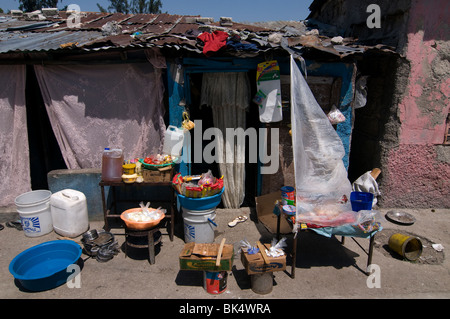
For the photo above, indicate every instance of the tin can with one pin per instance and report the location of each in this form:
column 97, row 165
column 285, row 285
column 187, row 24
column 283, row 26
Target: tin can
column 215, row 282
column 288, row 195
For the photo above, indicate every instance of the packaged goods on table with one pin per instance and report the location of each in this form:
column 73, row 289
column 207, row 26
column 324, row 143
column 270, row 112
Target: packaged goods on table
column 158, row 161
column 197, row 186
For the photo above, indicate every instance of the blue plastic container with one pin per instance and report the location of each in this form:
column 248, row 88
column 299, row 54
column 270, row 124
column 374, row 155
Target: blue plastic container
column 44, row 266
column 202, row 203
column 361, row 201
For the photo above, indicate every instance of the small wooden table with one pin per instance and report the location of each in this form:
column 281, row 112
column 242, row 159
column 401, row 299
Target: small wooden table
column 107, row 210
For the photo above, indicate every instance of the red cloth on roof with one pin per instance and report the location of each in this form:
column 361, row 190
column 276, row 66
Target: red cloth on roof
column 213, row 41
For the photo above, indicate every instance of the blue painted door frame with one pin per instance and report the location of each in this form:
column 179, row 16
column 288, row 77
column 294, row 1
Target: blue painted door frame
column 179, row 94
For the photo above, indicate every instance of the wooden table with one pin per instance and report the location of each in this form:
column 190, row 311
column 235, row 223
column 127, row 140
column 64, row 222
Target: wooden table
column 107, row 210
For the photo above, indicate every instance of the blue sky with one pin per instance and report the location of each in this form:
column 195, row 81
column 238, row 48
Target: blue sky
column 241, row 11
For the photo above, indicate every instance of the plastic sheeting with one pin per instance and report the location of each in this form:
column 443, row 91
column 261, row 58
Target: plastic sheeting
column 322, row 186
column 14, row 148
column 91, row 107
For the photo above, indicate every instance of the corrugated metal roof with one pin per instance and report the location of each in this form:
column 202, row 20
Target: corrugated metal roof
column 44, row 41
column 108, row 30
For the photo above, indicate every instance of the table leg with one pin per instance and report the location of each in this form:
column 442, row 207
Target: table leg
column 151, row 247
column 106, row 226
column 294, row 255
column 278, row 226
column 172, row 215
column 369, row 258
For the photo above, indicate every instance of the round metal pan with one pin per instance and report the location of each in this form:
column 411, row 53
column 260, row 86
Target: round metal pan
column 400, row 217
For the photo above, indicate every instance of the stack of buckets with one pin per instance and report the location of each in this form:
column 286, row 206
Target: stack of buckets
column 199, row 216
column 41, row 212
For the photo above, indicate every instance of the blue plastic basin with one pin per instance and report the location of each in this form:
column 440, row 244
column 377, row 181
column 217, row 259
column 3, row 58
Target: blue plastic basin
column 44, row 266
column 201, row 203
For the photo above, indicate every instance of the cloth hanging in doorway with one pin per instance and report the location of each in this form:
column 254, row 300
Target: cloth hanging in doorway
column 228, row 94
column 14, row 147
column 91, row 107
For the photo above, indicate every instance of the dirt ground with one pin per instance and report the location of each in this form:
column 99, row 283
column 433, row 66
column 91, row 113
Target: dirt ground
column 325, row 268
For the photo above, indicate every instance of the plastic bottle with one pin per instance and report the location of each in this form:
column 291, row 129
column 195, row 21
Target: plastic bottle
column 112, row 161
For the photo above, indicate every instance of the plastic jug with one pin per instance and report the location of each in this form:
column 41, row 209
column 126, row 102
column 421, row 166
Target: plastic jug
column 173, row 141
column 69, row 213
column 112, row 161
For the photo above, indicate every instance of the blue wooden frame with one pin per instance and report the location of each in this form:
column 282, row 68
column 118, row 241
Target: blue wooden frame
column 178, row 93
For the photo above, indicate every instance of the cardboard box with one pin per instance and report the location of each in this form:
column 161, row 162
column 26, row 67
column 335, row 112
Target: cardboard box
column 156, row 176
column 254, row 264
column 265, row 206
column 196, row 256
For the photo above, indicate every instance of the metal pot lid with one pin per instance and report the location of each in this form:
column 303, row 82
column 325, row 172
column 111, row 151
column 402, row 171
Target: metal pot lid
column 103, row 238
column 400, row 217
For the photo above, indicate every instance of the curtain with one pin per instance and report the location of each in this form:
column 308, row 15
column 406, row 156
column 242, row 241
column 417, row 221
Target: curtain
column 96, row 106
column 228, row 94
column 14, row 148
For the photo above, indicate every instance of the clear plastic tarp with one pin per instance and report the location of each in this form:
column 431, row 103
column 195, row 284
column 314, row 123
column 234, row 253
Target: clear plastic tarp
column 322, row 187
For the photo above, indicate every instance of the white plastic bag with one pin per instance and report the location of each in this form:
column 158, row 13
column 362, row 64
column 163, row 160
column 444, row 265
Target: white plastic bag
column 268, row 97
column 366, row 183
column 335, row 116
column 276, row 248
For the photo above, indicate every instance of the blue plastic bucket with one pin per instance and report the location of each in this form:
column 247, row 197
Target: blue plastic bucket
column 45, row 266
column 361, row 201
column 200, row 203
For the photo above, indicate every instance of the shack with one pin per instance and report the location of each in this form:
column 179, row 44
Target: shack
column 71, row 89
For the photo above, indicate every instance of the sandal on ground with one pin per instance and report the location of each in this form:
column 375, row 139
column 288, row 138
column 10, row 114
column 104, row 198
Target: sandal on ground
column 237, row 220
column 1, row 226
column 14, row 224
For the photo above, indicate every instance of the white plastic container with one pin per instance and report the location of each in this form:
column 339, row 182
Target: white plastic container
column 173, row 141
column 34, row 212
column 69, row 213
column 199, row 225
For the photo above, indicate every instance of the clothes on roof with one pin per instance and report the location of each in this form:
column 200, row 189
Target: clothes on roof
column 213, row 41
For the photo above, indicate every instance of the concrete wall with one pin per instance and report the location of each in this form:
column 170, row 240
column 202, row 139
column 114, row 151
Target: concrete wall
column 417, row 171
column 408, row 111
column 83, row 180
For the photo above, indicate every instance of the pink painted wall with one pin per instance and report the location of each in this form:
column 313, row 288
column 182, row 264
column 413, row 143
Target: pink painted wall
column 416, row 175
column 425, row 105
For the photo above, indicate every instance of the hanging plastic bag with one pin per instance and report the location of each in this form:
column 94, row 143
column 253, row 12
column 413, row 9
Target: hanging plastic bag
column 320, row 175
column 335, row 116
column 187, row 123
column 268, row 96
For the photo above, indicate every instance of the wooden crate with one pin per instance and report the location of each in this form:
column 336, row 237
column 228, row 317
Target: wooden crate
column 156, row 176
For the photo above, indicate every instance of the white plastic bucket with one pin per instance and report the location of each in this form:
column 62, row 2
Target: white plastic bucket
column 69, row 213
column 34, row 211
column 199, row 225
